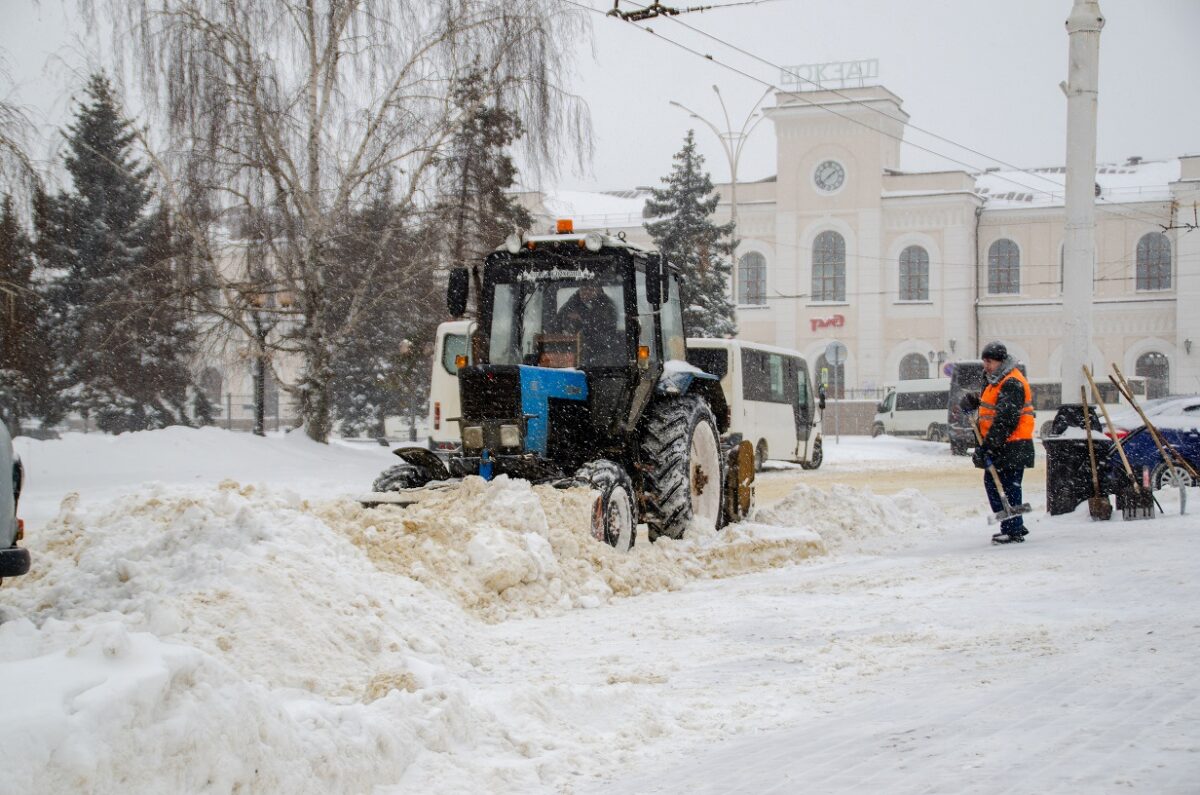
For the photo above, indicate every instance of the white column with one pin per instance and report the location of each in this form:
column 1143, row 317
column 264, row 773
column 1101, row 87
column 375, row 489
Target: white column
column 866, row 291
column 1082, row 86
column 1185, row 366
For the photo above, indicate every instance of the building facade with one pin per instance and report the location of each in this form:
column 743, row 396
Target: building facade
column 913, row 271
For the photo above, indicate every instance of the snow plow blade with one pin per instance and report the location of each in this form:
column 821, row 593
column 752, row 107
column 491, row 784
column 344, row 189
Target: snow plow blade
column 425, row 459
column 404, row 497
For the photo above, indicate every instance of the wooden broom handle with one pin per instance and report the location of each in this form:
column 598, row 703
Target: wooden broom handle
column 1112, row 431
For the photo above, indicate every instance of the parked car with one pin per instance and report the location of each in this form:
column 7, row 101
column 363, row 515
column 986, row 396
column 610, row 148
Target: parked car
column 14, row 561
column 1178, row 422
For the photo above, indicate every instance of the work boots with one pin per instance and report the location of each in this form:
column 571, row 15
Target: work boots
column 1010, row 536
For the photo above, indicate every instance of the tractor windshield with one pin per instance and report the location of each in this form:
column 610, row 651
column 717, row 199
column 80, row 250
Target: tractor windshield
column 562, row 317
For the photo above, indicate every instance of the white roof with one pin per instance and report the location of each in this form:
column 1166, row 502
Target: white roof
column 1003, row 189
column 1044, row 187
column 597, row 210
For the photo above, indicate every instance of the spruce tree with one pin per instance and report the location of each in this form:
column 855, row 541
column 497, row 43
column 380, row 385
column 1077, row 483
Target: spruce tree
column 121, row 326
column 384, row 369
column 26, row 389
column 476, row 175
column 687, row 237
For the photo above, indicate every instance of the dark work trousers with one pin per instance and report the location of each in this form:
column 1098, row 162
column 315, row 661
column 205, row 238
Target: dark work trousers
column 1011, row 480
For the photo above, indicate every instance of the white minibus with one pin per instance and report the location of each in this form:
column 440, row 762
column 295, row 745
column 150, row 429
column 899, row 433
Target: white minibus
column 770, row 395
column 451, row 341
column 915, row 408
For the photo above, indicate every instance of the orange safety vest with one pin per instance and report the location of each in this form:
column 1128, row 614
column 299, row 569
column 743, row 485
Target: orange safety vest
column 987, row 408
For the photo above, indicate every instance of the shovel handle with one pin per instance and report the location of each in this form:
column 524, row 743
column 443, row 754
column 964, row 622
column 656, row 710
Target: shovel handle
column 1087, row 425
column 1112, row 431
column 990, row 468
column 1161, row 443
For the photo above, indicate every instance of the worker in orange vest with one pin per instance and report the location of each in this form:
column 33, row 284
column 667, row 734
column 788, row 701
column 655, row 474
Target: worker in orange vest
column 1006, row 423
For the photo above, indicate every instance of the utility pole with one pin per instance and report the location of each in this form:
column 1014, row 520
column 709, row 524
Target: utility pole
column 1082, row 86
column 1067, row 480
column 732, row 142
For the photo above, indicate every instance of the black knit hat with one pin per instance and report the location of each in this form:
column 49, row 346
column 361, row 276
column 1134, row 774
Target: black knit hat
column 994, row 351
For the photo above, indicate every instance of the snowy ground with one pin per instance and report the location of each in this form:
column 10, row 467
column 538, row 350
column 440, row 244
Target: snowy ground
column 212, row 612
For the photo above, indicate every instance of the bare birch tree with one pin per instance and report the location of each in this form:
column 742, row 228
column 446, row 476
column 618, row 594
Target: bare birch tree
column 286, row 111
column 17, row 173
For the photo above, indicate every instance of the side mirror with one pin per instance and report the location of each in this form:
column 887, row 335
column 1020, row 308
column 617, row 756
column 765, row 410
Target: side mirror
column 457, row 289
column 654, row 284
column 666, row 281
column 821, row 397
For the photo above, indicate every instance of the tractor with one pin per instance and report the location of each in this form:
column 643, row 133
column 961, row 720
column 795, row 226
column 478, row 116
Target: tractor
column 579, row 377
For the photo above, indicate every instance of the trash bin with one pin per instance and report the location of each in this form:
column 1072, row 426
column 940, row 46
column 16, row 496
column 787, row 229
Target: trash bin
column 1068, row 470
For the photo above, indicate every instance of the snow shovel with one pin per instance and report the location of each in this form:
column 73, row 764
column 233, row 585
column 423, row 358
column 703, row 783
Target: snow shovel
column 1164, row 447
column 1181, row 471
column 1099, row 508
column 1007, row 511
column 1133, row 501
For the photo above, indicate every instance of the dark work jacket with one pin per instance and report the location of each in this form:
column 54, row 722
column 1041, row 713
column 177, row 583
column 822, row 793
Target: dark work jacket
column 1008, row 455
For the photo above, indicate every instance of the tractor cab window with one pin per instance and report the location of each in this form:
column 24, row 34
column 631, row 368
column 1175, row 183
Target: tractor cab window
column 672, row 325
column 558, row 322
column 645, row 317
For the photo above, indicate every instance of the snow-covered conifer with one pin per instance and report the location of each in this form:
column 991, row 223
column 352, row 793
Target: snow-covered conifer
column 687, row 237
column 121, row 329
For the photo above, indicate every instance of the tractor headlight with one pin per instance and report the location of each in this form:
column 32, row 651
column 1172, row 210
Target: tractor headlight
column 593, row 242
column 473, row 437
column 510, row 436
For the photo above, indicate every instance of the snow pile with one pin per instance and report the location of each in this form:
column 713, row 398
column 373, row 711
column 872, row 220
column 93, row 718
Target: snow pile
column 253, row 640
column 856, row 520
column 229, row 634
column 87, row 705
column 505, row 549
column 243, row 574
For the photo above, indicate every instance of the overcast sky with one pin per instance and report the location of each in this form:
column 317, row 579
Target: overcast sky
column 982, row 73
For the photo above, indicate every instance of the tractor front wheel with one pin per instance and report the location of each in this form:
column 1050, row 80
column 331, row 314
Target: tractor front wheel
column 613, row 519
column 681, row 460
column 401, row 476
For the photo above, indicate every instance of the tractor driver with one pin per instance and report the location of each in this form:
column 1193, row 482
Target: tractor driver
column 593, row 315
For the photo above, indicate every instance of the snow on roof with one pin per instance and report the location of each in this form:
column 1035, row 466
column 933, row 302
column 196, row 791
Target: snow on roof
column 590, row 210
column 1002, row 188
column 1044, row 187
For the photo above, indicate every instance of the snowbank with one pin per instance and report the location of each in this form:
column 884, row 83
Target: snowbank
column 189, row 636
column 505, row 549
column 856, row 520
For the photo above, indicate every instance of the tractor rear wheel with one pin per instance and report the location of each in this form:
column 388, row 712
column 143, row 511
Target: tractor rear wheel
column 682, row 474
column 613, row 519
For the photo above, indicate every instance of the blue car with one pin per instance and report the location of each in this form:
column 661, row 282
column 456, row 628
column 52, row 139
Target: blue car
column 1178, row 422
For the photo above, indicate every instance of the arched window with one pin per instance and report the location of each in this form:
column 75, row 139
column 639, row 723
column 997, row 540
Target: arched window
column 1154, row 262
column 1004, row 268
column 1156, row 369
column 914, row 274
column 752, row 279
column 914, row 366
column 829, row 267
column 834, row 378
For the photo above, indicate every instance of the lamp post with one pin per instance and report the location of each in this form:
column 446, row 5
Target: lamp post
column 732, row 142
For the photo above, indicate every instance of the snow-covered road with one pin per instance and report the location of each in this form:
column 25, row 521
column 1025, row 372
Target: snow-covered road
column 209, row 612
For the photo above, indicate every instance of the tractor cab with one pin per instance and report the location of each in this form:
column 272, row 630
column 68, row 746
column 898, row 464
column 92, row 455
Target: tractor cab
column 578, row 329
